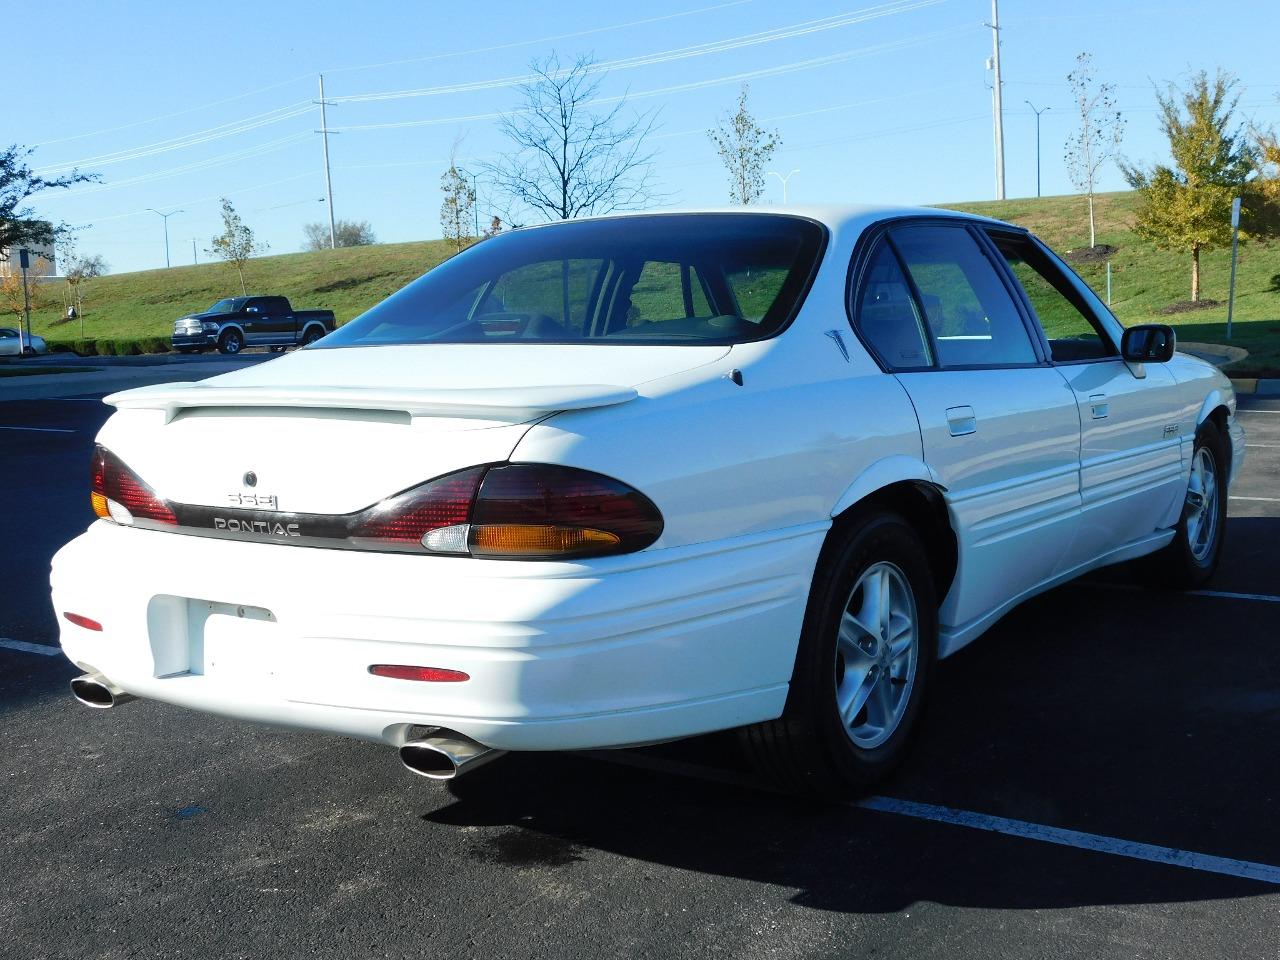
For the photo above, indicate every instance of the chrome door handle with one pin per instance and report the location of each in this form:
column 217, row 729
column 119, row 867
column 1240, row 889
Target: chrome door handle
column 1099, row 406
column 961, row 421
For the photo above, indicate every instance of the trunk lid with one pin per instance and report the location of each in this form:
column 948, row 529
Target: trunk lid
column 336, row 430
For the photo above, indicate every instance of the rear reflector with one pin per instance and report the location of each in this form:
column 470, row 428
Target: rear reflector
column 85, row 622
column 400, row 671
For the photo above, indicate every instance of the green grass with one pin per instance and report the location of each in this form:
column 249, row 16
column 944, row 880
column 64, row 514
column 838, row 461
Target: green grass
column 346, row 281
column 1145, row 279
column 349, row 281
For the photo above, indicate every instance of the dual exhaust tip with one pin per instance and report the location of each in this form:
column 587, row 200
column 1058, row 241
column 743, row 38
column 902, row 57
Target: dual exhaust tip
column 95, row 690
column 443, row 755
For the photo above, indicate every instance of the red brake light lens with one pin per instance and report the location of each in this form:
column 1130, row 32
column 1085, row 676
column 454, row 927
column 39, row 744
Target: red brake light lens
column 409, row 516
column 112, row 482
column 401, row 671
column 81, row 621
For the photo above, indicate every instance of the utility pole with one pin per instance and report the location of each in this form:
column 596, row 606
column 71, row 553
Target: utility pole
column 997, row 104
column 328, row 181
column 783, row 180
column 1037, row 113
column 475, row 204
column 165, row 217
column 195, row 259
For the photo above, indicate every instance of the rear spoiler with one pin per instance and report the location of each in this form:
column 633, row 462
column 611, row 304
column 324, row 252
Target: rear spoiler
column 511, row 404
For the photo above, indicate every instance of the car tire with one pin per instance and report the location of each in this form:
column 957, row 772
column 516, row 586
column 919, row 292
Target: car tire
column 856, row 694
column 231, row 342
column 1191, row 557
column 28, row 351
column 311, row 336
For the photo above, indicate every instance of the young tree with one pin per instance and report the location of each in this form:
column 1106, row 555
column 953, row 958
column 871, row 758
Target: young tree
column 346, row 233
column 1187, row 206
column 494, row 228
column 237, row 243
column 566, row 159
column 1098, row 139
column 79, row 271
column 458, row 207
column 18, row 183
column 744, row 148
column 12, row 298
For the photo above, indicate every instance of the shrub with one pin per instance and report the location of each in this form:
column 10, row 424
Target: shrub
column 106, row 348
column 127, row 347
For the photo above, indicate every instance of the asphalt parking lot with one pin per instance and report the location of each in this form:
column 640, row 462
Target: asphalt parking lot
column 1097, row 778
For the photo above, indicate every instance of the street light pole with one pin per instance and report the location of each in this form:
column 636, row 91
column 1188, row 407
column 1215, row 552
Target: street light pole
column 783, row 180
column 324, row 132
column 165, row 217
column 1037, row 113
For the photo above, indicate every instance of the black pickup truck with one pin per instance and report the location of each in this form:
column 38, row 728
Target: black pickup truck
column 238, row 322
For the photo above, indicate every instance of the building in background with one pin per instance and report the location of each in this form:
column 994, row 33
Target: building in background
column 44, row 263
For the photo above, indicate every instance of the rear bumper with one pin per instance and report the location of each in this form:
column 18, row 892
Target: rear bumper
column 614, row 652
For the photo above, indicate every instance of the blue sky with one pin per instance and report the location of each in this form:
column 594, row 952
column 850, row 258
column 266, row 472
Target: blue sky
column 175, row 104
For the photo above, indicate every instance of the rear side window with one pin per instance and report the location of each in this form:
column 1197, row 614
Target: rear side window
column 886, row 314
column 968, row 309
column 1072, row 332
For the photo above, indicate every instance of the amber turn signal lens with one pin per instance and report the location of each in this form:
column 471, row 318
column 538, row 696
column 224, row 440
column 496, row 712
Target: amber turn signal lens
column 538, row 540
column 99, row 505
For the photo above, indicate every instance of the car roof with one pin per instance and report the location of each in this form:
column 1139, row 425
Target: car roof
column 834, row 216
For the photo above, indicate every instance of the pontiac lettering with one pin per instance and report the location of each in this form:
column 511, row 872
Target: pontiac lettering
column 265, row 528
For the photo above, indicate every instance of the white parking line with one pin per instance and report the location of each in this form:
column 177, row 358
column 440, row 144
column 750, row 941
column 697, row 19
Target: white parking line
column 1260, row 446
column 40, row 429
column 1170, row 856
column 1259, row 499
column 41, row 648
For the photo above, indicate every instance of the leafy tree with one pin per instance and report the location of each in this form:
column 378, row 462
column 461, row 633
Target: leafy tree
column 458, row 207
column 237, row 243
column 1098, row 138
column 566, row 159
column 494, row 228
column 19, row 183
column 12, row 299
column 346, row 233
column 744, row 148
column 1187, row 206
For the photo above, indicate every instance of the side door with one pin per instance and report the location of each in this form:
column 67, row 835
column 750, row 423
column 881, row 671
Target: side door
column 253, row 320
column 999, row 426
column 277, row 323
column 1131, row 477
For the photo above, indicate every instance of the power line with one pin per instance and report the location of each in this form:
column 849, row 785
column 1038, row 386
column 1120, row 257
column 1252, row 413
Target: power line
column 552, row 39
column 802, row 28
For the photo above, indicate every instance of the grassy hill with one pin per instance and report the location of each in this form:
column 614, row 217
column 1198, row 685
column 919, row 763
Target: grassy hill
column 1144, row 280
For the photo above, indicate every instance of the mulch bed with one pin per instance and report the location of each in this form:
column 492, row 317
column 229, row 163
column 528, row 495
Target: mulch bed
column 1099, row 254
column 1187, row 306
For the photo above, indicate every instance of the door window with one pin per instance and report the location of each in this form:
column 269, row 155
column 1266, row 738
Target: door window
column 968, row 308
column 886, row 314
column 1068, row 324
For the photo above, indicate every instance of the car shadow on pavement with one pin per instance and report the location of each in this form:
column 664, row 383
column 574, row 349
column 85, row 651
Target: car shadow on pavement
column 1131, row 714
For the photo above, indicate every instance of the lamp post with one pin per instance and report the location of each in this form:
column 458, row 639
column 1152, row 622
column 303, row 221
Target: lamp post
column 783, row 180
column 1037, row 113
column 165, row 217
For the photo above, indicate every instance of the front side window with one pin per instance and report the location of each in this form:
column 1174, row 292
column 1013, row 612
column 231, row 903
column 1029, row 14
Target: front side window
column 669, row 278
column 1069, row 328
column 969, row 310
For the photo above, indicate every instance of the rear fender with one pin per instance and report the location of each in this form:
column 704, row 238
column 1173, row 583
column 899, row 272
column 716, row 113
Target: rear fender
column 880, row 474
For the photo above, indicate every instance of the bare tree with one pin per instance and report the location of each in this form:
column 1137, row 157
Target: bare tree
column 346, row 233
column 568, row 160
column 237, row 243
column 1101, row 130
column 745, row 148
column 459, row 204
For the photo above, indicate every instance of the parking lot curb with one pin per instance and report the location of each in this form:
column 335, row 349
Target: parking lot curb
column 1263, row 387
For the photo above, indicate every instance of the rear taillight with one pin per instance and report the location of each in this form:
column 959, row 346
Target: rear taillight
column 516, row 511
column 118, row 494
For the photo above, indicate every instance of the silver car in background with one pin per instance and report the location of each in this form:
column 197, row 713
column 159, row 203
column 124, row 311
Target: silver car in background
column 11, row 345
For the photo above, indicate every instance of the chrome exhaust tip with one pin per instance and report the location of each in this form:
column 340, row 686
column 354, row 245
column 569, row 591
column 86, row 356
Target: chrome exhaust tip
column 95, row 690
column 445, row 755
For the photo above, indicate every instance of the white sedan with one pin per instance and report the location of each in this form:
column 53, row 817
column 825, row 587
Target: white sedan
column 15, row 343
column 622, row 480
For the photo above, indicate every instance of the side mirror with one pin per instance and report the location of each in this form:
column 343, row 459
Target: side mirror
column 1148, row 343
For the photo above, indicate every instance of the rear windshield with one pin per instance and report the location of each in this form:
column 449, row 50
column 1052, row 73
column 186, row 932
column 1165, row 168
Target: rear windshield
column 692, row 278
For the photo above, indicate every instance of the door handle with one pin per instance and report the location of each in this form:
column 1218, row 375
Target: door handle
column 961, row 421
column 1099, row 406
